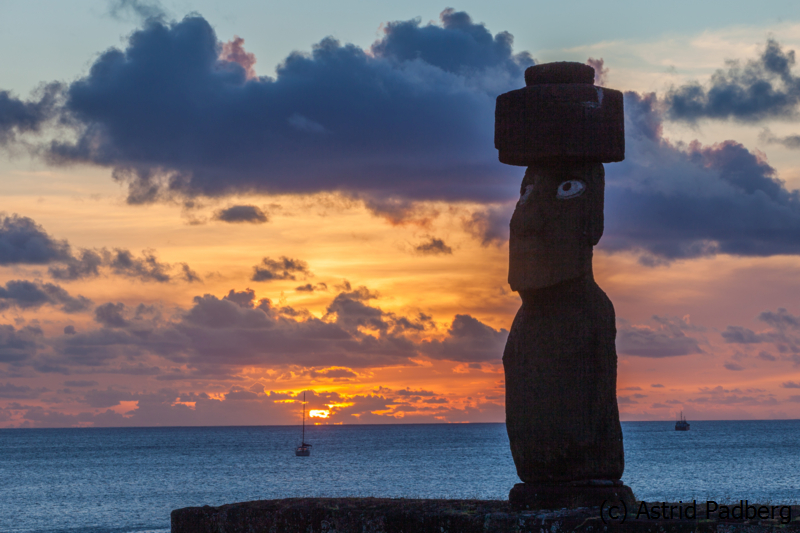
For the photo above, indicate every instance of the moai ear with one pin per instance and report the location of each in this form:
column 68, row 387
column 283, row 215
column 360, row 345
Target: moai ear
column 595, row 218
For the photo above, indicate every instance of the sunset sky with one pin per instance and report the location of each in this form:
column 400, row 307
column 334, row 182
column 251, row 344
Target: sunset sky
column 211, row 207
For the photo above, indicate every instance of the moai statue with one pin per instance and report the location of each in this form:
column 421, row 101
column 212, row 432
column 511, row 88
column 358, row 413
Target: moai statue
column 560, row 359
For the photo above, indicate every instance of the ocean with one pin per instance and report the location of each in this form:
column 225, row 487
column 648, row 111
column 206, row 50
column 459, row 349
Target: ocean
column 127, row 480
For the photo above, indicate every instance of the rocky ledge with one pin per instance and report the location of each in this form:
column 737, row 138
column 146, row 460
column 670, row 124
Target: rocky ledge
column 379, row 515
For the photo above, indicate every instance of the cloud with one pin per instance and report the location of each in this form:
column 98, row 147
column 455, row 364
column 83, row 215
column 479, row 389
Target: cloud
column 148, row 268
column 784, row 333
column 107, row 398
column 215, row 337
column 490, row 224
column 139, row 9
column 248, row 406
column 457, row 45
column 720, row 396
column 233, row 52
column 189, row 275
column 766, row 356
column 790, row 385
column 23, row 241
column 242, row 213
column 758, row 89
column 433, row 246
column 730, row 365
column 600, row 71
column 18, row 116
column 670, row 201
column 17, row 392
column 470, row 340
column 740, row 335
column 85, row 264
column 111, row 315
column 80, row 383
column 18, row 345
column 781, row 319
column 120, row 262
column 308, row 287
column 34, row 294
column 238, row 330
column 409, row 392
column 283, row 268
column 411, row 117
column 664, row 340
column 336, row 374
column 791, row 142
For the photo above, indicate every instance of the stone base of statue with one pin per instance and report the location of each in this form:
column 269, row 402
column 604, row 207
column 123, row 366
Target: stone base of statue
column 590, row 493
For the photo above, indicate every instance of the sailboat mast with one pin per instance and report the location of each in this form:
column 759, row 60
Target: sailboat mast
column 304, row 417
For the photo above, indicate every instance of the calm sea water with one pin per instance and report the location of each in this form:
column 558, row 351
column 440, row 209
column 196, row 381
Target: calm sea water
column 127, row 480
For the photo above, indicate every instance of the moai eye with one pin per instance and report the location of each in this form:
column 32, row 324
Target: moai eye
column 570, row 189
column 525, row 195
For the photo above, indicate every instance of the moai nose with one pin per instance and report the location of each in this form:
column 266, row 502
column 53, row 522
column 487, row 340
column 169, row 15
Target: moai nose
column 559, row 116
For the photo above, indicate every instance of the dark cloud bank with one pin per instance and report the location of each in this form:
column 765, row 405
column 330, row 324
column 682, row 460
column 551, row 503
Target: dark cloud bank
column 217, row 336
column 667, row 338
column 412, row 116
column 283, row 268
column 411, row 119
column 24, row 242
column 242, row 213
column 671, row 201
column 782, row 331
column 761, row 88
column 25, row 294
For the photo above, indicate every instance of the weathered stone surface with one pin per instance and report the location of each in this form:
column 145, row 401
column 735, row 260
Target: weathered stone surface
column 528, row 496
column 374, row 515
column 555, row 120
column 552, row 232
column 559, row 72
column 561, row 371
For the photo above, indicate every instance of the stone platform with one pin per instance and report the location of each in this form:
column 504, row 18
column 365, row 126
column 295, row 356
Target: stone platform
column 378, row 515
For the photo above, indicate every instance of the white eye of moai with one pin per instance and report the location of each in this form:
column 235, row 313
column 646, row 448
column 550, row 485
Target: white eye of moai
column 570, row 189
column 525, row 195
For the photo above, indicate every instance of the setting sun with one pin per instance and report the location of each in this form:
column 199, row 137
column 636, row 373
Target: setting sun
column 319, row 413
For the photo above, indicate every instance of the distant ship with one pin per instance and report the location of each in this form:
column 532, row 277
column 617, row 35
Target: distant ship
column 682, row 424
column 304, row 450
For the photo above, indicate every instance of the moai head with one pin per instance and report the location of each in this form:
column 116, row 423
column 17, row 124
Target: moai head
column 558, row 219
column 562, row 128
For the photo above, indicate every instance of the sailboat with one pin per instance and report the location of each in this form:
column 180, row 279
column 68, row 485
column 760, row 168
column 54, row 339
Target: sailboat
column 304, row 450
column 682, row 424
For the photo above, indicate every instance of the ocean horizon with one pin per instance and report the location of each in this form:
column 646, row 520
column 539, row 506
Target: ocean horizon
column 127, row 480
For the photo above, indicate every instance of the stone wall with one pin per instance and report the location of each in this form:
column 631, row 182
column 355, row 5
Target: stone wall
column 378, row 515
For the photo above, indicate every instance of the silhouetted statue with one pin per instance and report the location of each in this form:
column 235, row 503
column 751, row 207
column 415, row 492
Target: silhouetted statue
column 560, row 359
